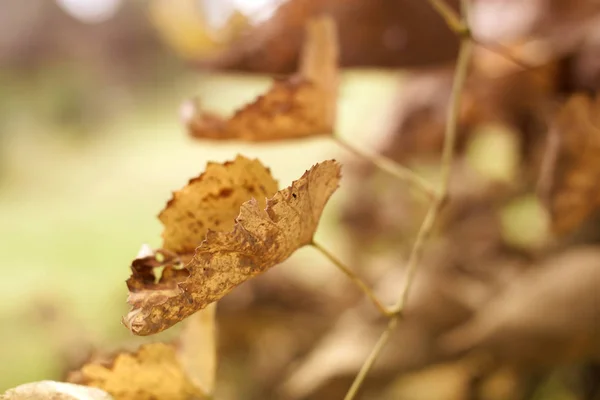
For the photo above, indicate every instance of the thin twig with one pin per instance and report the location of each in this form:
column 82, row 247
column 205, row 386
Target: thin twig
column 415, row 256
column 452, row 19
column 505, row 52
column 460, row 75
column 461, row 29
column 548, row 167
column 366, row 367
column 354, row 278
column 446, row 168
column 385, row 164
column 465, row 10
column 440, row 200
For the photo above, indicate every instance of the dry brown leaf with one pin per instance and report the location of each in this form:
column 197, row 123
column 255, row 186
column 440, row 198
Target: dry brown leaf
column 210, row 201
column 303, row 105
column 575, row 194
column 153, row 372
column 260, row 239
column 373, row 33
column 548, row 315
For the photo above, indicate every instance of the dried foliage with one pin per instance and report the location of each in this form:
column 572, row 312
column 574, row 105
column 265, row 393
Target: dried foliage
column 260, row 239
column 531, row 321
column 153, row 372
column 391, row 35
column 209, row 202
column 302, row 105
column 490, row 264
column 212, row 201
column 499, row 295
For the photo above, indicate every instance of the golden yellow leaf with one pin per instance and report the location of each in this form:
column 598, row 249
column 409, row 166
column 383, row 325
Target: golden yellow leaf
column 260, row 239
column 153, row 372
column 212, row 201
column 575, row 194
column 303, row 105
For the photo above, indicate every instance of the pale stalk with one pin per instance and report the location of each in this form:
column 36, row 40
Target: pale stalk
column 366, row 367
column 440, row 199
column 354, row 278
column 385, row 164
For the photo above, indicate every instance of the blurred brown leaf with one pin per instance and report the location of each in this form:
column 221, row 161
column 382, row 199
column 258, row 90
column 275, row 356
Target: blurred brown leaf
column 303, row 105
column 153, row 372
column 372, row 33
column 574, row 194
column 260, row 239
column 550, row 314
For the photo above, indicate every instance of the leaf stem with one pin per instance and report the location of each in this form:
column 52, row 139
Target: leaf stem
column 439, row 201
column 354, row 278
column 385, row 164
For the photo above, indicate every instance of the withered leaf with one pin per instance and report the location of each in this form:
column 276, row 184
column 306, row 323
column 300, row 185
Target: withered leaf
column 372, row 34
column 153, row 372
column 302, row 105
column 212, row 201
column 260, row 239
column 575, row 193
column 549, row 315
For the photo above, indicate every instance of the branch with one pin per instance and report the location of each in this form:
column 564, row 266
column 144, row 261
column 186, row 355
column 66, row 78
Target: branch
column 440, row 200
column 385, row 164
column 461, row 28
column 452, row 19
column 549, row 160
column 366, row 367
column 460, row 75
column 505, row 52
